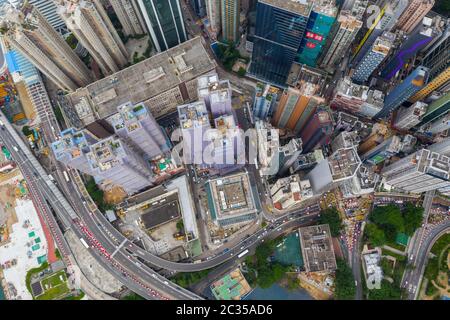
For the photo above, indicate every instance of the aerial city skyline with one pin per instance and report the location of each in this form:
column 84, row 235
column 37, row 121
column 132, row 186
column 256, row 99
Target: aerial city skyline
column 224, row 150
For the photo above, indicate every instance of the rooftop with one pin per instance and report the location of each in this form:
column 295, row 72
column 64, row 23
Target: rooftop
column 317, row 248
column 301, row 7
column 232, row 286
column 343, row 163
column 145, row 79
column 193, row 115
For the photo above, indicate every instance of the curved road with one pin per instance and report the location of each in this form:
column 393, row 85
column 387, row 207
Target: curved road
column 413, row 276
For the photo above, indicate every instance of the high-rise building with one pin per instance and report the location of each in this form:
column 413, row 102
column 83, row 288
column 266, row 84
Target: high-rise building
column 413, row 14
column 194, row 123
column 383, row 151
column 357, row 99
column 288, row 154
column 436, row 59
column 417, row 40
column 230, row 13
column 216, row 94
column 341, row 166
column 319, row 129
column 301, row 98
column 135, row 125
column 280, row 27
column 88, row 21
column 214, row 15
column 385, row 21
column 373, row 57
column 73, row 147
column 165, row 22
column 438, row 125
column 199, row 7
column 341, row 38
column 28, row 32
column 113, row 160
column 162, row 82
column 129, row 16
column 321, row 19
column 411, row 116
column 419, row 172
column 441, row 147
column 48, row 9
column 436, row 109
column 410, row 85
column 265, row 100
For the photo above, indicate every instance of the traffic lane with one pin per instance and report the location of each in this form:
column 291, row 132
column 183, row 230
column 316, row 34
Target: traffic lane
column 225, row 256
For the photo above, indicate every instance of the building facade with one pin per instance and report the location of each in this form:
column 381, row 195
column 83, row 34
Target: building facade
column 413, row 14
column 165, row 22
column 280, row 27
column 90, row 24
column 129, row 16
column 28, row 32
column 403, row 91
column 230, row 13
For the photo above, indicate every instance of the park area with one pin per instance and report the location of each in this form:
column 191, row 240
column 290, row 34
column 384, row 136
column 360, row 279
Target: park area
column 435, row 284
column 54, row 286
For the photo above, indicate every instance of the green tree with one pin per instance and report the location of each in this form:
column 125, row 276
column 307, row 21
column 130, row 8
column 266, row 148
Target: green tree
column 375, row 235
column 26, row 131
column 241, row 72
column 180, row 225
column 387, row 291
column 331, row 217
column 345, row 282
column 413, row 217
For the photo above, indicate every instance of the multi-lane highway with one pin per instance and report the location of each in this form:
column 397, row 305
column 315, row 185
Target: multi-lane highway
column 116, row 253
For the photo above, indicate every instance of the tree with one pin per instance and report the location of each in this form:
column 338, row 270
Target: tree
column 412, row 217
column 387, row 291
column 331, row 217
column 26, row 131
column 241, row 72
column 375, row 235
column 345, row 282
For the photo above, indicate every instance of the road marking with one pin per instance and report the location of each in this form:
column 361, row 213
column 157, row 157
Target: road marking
column 119, row 247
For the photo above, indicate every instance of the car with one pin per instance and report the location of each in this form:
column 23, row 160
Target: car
column 166, row 283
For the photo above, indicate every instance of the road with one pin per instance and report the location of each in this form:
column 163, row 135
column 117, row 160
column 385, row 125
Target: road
column 137, row 277
column 413, row 276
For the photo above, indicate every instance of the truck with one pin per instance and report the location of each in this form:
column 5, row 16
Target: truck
column 51, row 177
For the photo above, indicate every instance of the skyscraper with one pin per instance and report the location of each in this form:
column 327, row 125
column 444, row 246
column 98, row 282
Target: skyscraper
column 411, row 116
column 413, row 14
column 436, row 109
column 318, row 131
column 129, row 16
column 113, row 160
column 420, row 172
column 164, row 19
column 27, row 31
column 214, row 15
column 422, row 35
column 373, row 58
column 265, row 100
column 230, row 13
column 199, row 7
column 216, row 94
column 319, row 24
column 280, row 27
column 385, row 21
column 301, row 98
column 436, row 59
column 413, row 83
column 73, row 147
column 48, row 9
column 341, row 37
column 135, row 125
column 383, row 151
column 88, row 21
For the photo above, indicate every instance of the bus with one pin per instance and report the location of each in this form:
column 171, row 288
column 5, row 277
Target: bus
column 243, row 253
column 84, row 243
column 66, row 176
